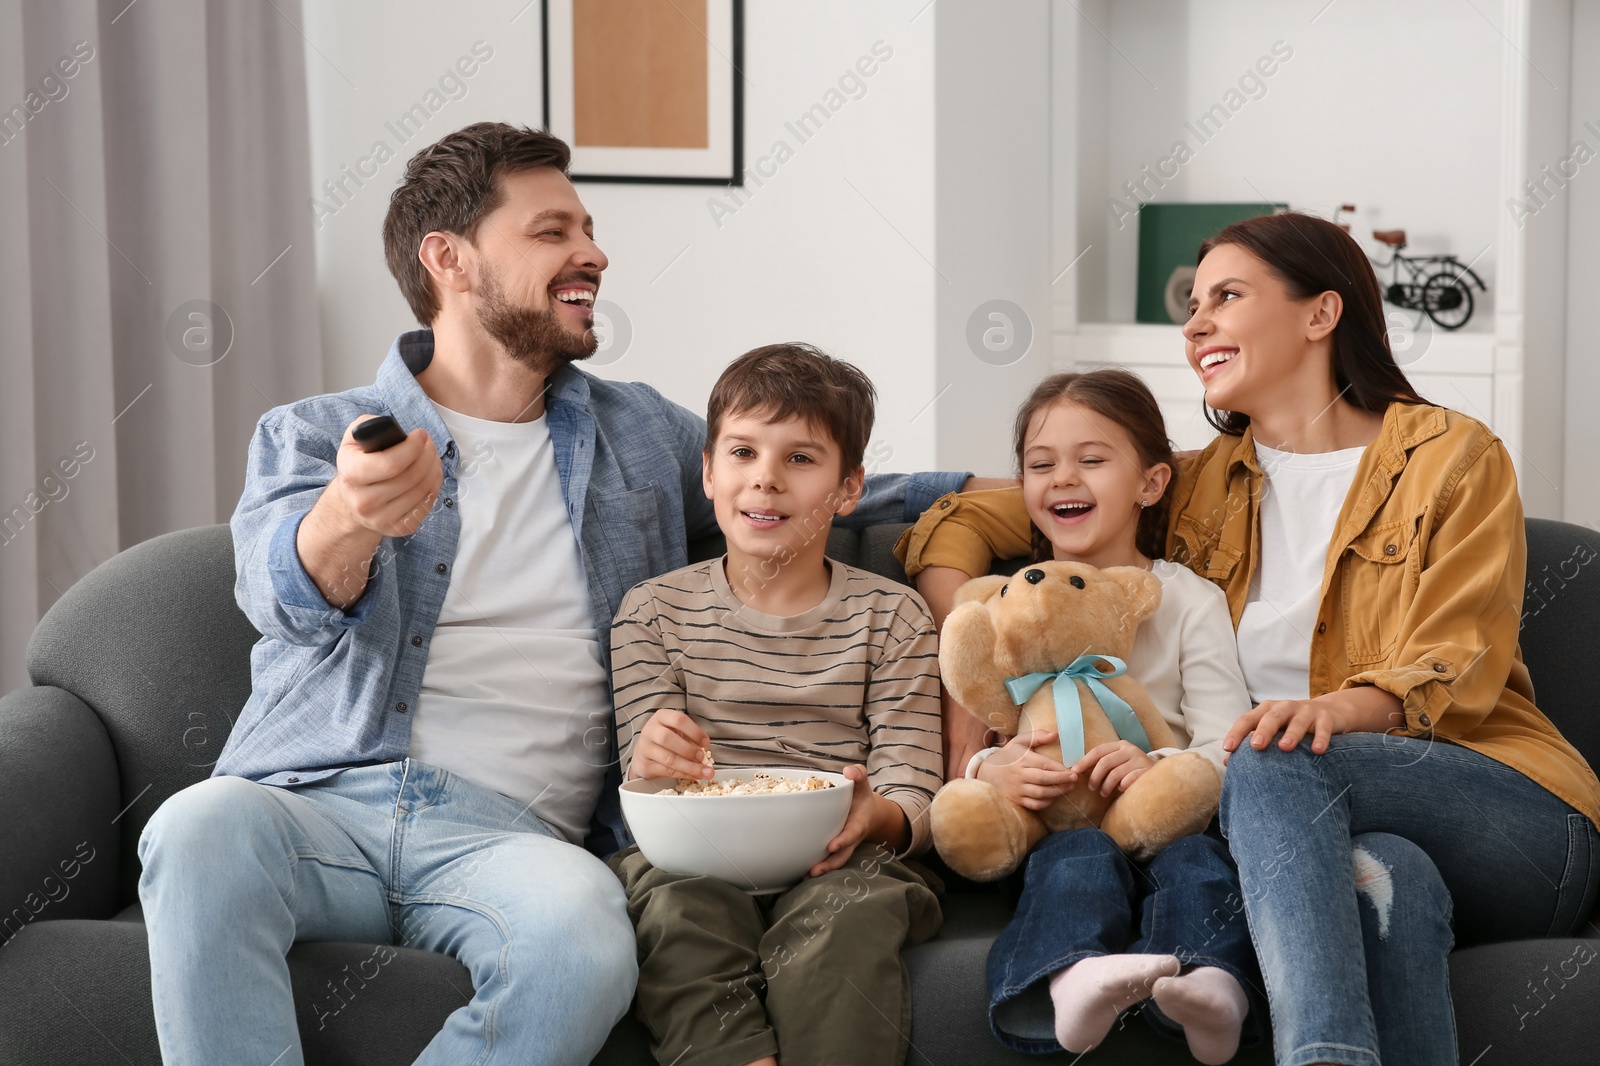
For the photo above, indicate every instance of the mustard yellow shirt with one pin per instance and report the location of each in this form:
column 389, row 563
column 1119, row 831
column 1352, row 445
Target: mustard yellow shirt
column 1421, row 591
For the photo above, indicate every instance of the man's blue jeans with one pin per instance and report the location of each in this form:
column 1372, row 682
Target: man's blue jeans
column 1082, row 897
column 1351, row 863
column 397, row 853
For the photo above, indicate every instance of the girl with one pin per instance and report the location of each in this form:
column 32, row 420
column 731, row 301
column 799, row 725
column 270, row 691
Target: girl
column 1095, row 930
column 1373, row 553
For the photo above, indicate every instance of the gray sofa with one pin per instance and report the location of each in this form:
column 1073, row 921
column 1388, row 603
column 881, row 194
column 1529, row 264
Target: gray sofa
column 139, row 669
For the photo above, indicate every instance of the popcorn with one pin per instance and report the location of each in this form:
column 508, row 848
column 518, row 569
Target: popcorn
column 761, row 783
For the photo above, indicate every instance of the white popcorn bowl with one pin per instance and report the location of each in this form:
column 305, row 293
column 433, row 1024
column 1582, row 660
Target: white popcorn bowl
column 762, row 843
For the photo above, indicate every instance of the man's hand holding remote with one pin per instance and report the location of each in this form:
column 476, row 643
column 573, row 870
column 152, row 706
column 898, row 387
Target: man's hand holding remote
column 376, row 494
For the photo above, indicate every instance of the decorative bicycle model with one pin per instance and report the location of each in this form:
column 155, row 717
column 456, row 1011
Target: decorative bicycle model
column 1438, row 285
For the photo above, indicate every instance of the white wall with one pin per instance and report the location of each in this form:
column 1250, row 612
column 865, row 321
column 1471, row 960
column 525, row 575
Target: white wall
column 1537, row 330
column 992, row 108
column 1389, row 106
column 366, row 65
column 832, row 249
column 1393, row 107
column 1581, row 481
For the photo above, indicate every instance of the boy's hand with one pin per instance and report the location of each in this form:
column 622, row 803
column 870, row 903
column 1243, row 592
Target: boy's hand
column 670, row 745
column 1113, row 767
column 1026, row 777
column 871, row 817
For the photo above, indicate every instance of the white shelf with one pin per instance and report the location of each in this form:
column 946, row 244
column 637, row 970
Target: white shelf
column 1119, row 111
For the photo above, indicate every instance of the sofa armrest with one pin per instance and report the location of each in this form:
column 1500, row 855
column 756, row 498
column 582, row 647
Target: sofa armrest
column 58, row 800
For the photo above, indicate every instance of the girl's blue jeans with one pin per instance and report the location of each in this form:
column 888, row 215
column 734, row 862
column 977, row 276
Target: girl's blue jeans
column 1353, row 865
column 1082, row 897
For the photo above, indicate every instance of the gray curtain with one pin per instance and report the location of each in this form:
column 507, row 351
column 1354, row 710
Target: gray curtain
column 157, row 276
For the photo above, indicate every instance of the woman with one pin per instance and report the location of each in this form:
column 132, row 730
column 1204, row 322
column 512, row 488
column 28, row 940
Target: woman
column 1395, row 781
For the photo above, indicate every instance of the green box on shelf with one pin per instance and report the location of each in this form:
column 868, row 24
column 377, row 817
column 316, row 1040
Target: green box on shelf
column 1170, row 236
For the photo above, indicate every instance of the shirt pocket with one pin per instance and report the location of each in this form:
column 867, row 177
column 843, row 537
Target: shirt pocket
column 1200, row 549
column 1376, row 571
column 626, row 539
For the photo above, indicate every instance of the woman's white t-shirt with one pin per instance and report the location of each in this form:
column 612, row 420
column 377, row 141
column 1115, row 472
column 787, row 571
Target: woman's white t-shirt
column 1301, row 497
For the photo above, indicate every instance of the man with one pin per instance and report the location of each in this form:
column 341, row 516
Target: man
column 429, row 731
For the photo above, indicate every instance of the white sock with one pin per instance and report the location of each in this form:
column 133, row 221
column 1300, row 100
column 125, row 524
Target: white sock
column 1092, row 992
column 1210, row 1005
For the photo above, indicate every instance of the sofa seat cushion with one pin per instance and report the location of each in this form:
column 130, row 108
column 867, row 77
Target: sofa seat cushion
column 79, row 991
column 1530, row 1000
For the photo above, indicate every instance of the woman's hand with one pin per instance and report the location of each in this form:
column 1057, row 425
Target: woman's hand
column 1113, row 767
column 670, row 745
column 1362, row 709
column 1026, row 777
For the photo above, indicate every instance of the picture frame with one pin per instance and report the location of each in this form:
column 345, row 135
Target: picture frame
column 647, row 91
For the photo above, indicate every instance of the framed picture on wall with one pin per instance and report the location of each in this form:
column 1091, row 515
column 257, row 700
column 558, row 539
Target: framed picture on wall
column 647, row 90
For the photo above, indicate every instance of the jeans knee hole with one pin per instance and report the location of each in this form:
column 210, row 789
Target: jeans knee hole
column 1374, row 880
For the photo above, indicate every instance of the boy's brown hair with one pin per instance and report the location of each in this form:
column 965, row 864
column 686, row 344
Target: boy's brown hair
column 780, row 381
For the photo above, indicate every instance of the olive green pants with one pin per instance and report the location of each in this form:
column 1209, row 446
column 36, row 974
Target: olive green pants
column 812, row 975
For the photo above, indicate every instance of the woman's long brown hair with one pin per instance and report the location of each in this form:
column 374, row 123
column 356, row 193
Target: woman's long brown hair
column 1311, row 256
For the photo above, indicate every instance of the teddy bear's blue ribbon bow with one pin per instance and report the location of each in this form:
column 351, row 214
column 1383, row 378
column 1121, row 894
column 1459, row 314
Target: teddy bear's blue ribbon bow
column 1069, row 707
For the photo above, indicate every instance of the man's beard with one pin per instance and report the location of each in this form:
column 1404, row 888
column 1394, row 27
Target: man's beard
column 536, row 339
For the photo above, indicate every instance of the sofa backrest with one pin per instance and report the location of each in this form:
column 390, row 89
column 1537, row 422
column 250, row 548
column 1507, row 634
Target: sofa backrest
column 1561, row 627
column 153, row 641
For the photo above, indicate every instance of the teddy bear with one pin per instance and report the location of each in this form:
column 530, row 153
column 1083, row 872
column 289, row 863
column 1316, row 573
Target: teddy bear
column 1026, row 653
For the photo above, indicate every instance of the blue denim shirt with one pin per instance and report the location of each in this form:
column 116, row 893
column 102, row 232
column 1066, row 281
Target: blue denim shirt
column 333, row 689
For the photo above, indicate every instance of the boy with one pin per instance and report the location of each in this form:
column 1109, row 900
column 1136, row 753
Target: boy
column 775, row 656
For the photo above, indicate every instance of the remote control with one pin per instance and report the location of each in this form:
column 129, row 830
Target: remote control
column 376, row 434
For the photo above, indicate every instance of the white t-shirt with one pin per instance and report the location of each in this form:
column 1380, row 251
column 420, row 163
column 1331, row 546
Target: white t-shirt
column 1185, row 658
column 1301, row 498
column 515, row 675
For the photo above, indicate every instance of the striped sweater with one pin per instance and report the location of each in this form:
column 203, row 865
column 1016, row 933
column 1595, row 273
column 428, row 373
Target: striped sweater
column 853, row 680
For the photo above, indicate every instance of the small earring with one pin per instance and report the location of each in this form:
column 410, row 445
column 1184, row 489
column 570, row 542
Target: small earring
column 1143, row 504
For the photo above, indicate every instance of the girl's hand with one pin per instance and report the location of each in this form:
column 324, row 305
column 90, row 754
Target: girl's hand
column 1363, row 709
column 964, row 737
column 1026, row 777
column 1113, row 767
column 670, row 745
